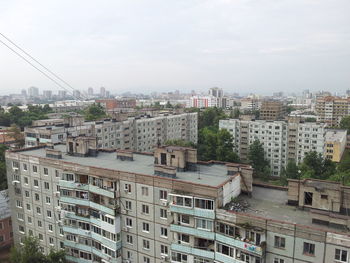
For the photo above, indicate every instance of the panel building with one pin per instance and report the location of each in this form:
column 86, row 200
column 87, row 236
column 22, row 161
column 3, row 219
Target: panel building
column 331, row 109
column 282, row 141
column 119, row 206
column 140, row 134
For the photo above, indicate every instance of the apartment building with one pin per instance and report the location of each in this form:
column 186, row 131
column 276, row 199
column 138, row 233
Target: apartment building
column 120, row 206
column 6, row 234
column 281, row 140
column 331, row 110
column 272, row 110
column 336, row 141
column 139, row 133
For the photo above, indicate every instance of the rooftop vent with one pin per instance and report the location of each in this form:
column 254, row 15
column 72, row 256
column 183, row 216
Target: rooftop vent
column 124, row 155
column 51, row 153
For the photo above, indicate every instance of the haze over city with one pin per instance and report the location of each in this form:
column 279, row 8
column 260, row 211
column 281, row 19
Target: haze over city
column 144, row 46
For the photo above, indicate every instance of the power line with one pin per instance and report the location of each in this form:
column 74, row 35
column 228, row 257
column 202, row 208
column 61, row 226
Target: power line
column 46, row 75
column 47, row 69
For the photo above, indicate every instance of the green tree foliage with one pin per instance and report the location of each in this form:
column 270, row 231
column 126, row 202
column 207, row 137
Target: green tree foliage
column 310, row 119
column 291, row 171
column 94, row 112
column 345, row 123
column 30, row 252
column 3, row 178
column 257, row 159
column 314, row 166
column 180, row 142
column 235, row 113
column 216, row 145
column 16, row 115
column 15, row 132
column 210, row 117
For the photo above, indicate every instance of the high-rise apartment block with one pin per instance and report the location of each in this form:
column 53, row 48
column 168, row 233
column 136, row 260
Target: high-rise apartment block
column 33, row 92
column 281, row 140
column 331, row 109
column 108, row 207
column 272, row 110
column 139, row 134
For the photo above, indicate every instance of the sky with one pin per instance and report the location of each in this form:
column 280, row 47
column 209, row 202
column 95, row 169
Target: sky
column 243, row 46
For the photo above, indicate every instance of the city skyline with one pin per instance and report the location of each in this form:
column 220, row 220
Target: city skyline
column 248, row 46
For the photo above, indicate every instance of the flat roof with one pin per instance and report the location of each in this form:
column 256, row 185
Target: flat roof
column 272, row 204
column 206, row 174
column 335, row 135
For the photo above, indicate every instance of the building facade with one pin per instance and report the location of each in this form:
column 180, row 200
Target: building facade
column 6, row 234
column 282, row 141
column 272, row 110
column 331, row 109
column 167, row 207
column 139, row 134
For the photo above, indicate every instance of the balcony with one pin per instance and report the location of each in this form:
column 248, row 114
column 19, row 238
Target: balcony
column 193, row 231
column 248, row 247
column 87, row 187
column 194, row 251
column 73, row 185
column 193, row 211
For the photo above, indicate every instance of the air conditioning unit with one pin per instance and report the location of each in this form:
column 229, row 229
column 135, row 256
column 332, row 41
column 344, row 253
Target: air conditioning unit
column 57, row 194
column 124, row 211
column 125, row 229
column 58, row 208
column 15, row 169
column 164, row 202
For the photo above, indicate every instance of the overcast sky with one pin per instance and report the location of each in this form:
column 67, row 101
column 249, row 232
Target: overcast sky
column 243, row 46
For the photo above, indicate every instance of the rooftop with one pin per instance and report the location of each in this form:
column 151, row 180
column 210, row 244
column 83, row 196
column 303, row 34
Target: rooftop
column 206, row 174
column 272, row 204
column 335, row 135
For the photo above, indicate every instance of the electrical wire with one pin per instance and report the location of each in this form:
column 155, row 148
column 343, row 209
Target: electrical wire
column 47, row 69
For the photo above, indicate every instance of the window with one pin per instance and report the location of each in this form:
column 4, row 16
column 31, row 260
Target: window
column 204, row 204
column 20, row 216
column 38, row 210
column 128, row 205
column 163, row 195
column 145, row 227
column 341, row 255
column 41, row 237
column 49, row 214
column 128, row 222
column 29, row 219
column 204, row 224
column 18, row 203
column 48, row 200
column 226, row 250
column 129, row 239
column 35, row 168
column 26, row 181
column 163, row 213
column 163, row 232
column 146, row 260
column 182, row 201
column 164, row 250
column 144, row 190
column 36, row 183
column 1, row 239
column 280, row 242
column 309, row 249
column 57, row 173
column 50, row 228
column 324, row 197
column 178, row 257
column 145, row 209
column 67, row 177
column 21, row 229
column 25, row 167
column 227, row 229
column 28, row 207
column 26, row 193
column 46, row 185
column 184, row 219
column 46, row 171
column 37, row 197
column 127, row 188
column 145, row 244
column 184, row 238
column 51, row 240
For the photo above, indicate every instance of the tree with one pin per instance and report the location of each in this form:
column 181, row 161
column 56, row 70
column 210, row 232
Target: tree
column 30, row 252
column 291, row 171
column 15, row 132
column 345, row 123
column 224, row 149
column 310, row 119
column 94, row 112
column 210, row 117
column 235, row 113
column 314, row 166
column 257, row 159
column 168, row 105
column 3, row 177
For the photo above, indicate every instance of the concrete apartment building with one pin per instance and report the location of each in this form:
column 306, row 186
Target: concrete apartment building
column 331, row 110
column 140, row 134
column 272, row 110
column 335, row 144
column 120, row 206
column 282, row 141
